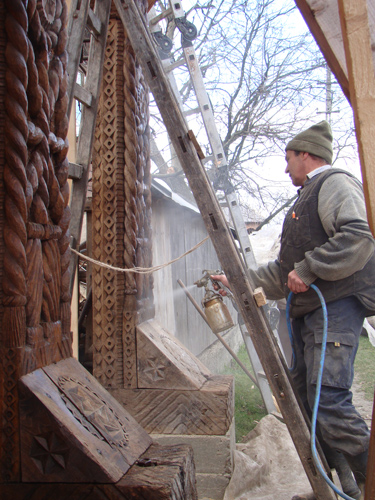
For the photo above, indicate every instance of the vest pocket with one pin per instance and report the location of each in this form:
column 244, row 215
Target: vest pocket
column 299, row 231
column 338, row 365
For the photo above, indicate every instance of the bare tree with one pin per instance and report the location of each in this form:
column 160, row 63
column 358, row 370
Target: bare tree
column 264, row 74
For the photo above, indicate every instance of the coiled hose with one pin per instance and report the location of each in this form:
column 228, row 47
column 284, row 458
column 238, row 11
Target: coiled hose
column 318, row 385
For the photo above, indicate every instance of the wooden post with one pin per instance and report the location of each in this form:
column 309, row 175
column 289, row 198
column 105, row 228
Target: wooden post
column 222, row 239
column 359, row 60
column 321, row 22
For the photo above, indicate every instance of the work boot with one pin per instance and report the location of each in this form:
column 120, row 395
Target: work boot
column 337, row 461
column 358, row 465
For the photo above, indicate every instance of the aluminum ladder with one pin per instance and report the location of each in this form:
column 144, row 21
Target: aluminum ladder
column 219, row 159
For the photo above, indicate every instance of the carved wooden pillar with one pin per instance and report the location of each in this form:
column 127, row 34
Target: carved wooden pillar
column 155, row 378
column 121, row 213
column 62, row 435
column 35, row 302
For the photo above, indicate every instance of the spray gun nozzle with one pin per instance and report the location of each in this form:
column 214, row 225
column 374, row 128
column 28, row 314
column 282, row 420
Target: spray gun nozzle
column 204, row 281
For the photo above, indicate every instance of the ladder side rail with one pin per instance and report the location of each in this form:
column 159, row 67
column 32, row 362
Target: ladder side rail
column 220, row 159
column 87, row 127
column 205, row 106
column 260, row 376
column 79, row 10
column 221, row 237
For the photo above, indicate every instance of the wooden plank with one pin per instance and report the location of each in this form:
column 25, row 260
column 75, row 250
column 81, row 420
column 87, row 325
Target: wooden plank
column 359, row 59
column 94, row 23
column 100, row 408
column 161, row 473
column 207, row 412
column 67, row 413
column 221, row 237
column 76, row 32
column 323, row 21
column 75, row 171
column 164, row 362
column 55, row 445
column 82, row 95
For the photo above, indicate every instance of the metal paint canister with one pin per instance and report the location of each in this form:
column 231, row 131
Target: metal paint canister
column 217, row 314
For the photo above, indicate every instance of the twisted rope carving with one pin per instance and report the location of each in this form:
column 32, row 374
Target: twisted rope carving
column 58, row 166
column 37, row 193
column 15, row 182
column 130, row 167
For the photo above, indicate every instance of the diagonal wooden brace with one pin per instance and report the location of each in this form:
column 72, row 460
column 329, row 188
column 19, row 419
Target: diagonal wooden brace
column 256, row 323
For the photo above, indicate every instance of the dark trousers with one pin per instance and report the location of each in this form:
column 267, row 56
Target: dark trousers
column 339, row 424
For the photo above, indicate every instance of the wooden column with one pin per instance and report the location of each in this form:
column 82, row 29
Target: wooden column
column 359, row 60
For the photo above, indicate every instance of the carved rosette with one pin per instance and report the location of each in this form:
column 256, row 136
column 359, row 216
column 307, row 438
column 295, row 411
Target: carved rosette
column 34, row 212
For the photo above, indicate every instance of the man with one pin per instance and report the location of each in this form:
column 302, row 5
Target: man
column 326, row 240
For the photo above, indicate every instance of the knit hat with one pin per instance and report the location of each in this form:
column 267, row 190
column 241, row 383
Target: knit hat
column 316, row 140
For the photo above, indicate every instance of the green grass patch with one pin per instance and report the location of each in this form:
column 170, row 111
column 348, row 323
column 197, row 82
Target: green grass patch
column 364, row 367
column 249, row 407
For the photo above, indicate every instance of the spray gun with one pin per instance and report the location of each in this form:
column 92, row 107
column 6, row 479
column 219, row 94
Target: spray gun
column 216, row 312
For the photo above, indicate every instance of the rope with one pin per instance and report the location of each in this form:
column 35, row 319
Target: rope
column 139, row 270
column 317, row 391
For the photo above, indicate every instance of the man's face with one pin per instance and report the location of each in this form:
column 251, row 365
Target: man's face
column 295, row 167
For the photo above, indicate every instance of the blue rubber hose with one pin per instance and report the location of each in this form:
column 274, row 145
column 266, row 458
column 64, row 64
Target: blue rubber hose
column 318, row 386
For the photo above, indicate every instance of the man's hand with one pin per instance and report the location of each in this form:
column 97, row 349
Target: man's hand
column 295, row 284
column 223, row 279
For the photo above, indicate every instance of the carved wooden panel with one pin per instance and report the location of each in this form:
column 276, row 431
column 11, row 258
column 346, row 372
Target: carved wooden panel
column 34, row 196
column 108, row 215
column 165, row 363
column 71, row 428
column 121, row 213
column 208, row 411
column 161, row 473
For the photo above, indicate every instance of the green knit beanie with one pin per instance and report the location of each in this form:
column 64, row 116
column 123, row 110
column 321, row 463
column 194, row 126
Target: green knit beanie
column 316, row 140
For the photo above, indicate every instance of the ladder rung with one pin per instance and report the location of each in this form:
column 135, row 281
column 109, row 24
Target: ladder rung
column 75, row 171
column 82, row 95
column 174, row 65
column 194, row 111
column 161, row 16
column 94, row 23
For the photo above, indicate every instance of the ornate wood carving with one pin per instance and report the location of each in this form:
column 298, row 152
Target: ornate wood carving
column 59, row 426
column 161, row 473
column 34, row 194
column 71, row 428
column 208, row 411
column 165, row 363
column 121, row 213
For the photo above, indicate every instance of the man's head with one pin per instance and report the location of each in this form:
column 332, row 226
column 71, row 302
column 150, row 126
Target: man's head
column 307, row 151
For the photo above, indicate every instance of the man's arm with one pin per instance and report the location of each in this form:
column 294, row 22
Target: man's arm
column 350, row 245
column 268, row 277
